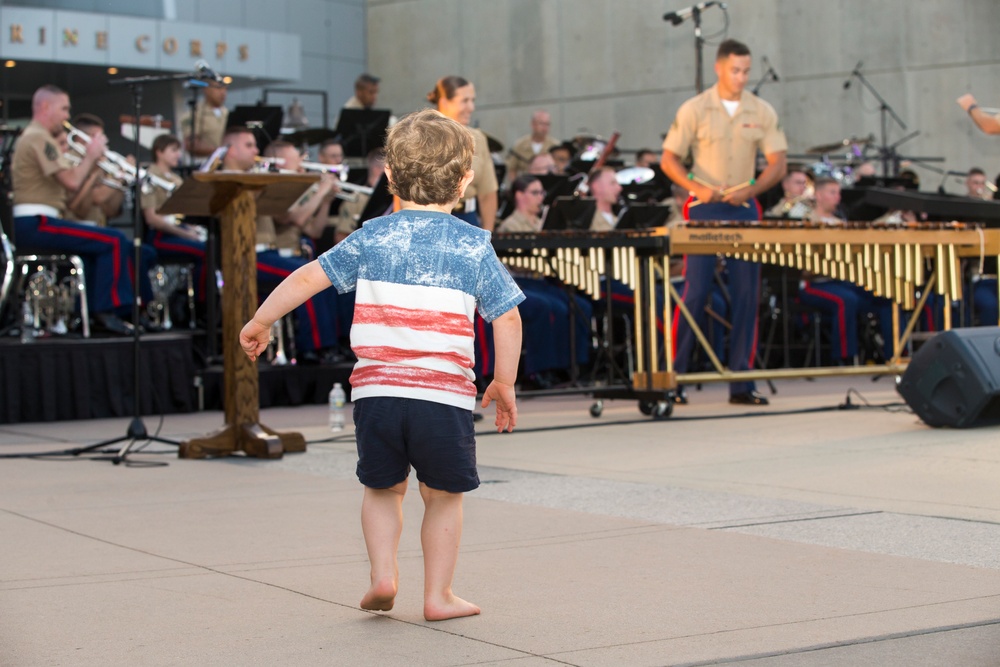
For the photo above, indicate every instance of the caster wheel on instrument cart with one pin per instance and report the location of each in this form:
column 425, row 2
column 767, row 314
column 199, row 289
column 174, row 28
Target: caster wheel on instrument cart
column 663, row 410
column 646, row 407
column 596, row 408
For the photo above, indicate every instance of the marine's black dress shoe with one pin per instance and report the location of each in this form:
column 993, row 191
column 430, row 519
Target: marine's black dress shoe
column 748, row 398
column 111, row 323
column 680, row 396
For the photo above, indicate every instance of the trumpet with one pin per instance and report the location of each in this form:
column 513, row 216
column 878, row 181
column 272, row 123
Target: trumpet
column 114, row 164
column 341, row 169
column 106, row 165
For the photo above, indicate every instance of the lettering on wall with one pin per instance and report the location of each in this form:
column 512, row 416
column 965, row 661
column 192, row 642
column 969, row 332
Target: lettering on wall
column 170, row 45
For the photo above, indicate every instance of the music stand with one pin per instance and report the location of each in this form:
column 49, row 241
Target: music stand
column 644, row 216
column 237, row 198
column 362, row 130
column 570, row 213
column 379, row 202
column 264, row 122
column 557, row 185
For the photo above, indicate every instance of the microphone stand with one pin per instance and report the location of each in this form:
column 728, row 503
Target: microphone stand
column 887, row 152
column 699, row 47
column 137, row 428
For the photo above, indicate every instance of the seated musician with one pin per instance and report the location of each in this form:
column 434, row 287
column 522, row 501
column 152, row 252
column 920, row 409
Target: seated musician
column 796, row 201
column 841, row 303
column 173, row 240
column 538, row 142
column 605, row 190
column 101, row 197
column 541, row 165
column 976, row 185
column 562, row 155
column 42, row 183
column 282, row 248
column 349, row 215
column 545, row 313
column 647, row 157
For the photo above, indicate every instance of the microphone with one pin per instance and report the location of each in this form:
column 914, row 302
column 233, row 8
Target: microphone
column 206, row 72
column 847, row 84
column 681, row 15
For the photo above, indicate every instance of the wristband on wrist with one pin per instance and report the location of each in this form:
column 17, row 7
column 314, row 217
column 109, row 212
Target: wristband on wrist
column 971, row 107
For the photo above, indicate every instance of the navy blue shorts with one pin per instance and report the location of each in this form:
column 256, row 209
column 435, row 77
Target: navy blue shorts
column 438, row 440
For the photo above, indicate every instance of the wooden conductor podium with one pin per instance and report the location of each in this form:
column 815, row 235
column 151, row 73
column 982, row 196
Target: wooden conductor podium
column 236, row 198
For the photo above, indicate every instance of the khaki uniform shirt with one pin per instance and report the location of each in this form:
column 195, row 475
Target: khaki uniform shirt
column 156, row 197
column 211, row 125
column 36, row 162
column 522, row 152
column 600, row 223
column 815, row 216
column 347, row 219
column 353, row 103
column 278, row 236
column 519, row 222
column 724, row 149
column 485, row 181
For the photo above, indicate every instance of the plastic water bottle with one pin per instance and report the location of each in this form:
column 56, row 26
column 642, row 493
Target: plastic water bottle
column 337, row 400
column 27, row 324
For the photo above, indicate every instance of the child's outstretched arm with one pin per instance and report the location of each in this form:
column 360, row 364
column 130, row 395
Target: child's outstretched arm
column 306, row 282
column 507, row 343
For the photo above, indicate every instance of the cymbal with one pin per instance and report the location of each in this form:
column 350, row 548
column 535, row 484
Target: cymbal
column 494, row 144
column 839, row 146
column 314, row 135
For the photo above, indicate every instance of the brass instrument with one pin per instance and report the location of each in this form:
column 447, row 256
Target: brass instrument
column 348, row 190
column 114, row 164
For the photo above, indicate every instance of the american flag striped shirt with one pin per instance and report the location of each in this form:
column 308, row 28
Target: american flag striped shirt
column 419, row 277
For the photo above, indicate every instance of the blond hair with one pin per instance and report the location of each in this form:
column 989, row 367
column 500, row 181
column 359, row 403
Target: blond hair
column 428, row 154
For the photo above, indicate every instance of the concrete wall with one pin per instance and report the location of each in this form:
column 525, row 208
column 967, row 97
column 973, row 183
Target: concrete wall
column 601, row 65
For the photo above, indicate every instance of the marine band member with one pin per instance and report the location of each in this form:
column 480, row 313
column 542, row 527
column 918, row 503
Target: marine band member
column 43, row 181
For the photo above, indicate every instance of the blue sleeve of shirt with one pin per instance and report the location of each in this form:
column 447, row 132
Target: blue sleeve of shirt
column 496, row 291
column 341, row 262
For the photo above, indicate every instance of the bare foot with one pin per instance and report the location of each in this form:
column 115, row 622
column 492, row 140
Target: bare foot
column 450, row 607
column 381, row 596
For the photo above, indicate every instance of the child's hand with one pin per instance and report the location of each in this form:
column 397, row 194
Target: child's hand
column 503, row 394
column 254, row 339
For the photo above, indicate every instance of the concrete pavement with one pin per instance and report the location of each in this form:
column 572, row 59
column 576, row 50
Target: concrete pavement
column 794, row 535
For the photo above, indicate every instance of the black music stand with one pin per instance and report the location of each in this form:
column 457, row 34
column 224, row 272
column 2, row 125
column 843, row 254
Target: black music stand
column 570, row 213
column 264, row 122
column 362, row 130
column 644, row 216
column 558, row 185
column 379, row 202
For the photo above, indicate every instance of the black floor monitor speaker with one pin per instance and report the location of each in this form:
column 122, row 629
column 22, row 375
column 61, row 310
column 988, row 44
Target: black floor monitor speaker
column 954, row 379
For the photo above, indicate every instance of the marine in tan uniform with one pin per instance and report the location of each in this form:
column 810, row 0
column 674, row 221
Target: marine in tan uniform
column 796, row 202
column 211, row 116
column 537, row 142
column 101, row 197
column 456, row 98
column 42, row 182
column 605, row 190
column 722, row 129
column 348, row 218
column 528, row 197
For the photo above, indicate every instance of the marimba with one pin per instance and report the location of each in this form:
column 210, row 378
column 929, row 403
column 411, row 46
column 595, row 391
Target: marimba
column 893, row 261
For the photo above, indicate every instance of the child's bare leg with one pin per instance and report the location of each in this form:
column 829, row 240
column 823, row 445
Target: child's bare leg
column 440, row 536
column 382, row 524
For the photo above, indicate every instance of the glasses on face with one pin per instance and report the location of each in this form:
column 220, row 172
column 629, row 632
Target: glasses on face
column 538, row 192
